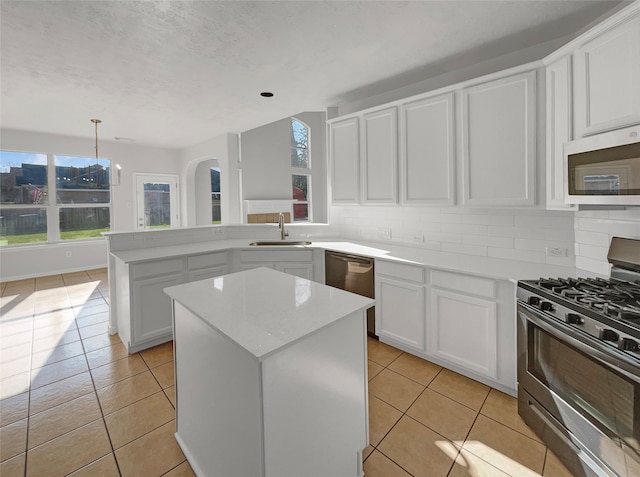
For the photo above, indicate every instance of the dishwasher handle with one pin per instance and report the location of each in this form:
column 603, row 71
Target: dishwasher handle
column 350, row 258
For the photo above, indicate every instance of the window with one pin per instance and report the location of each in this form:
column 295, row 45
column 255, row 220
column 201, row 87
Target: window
column 83, row 196
column 301, row 171
column 216, row 213
column 47, row 198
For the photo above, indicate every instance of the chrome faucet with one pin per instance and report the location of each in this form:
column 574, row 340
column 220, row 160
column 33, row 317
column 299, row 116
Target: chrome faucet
column 283, row 232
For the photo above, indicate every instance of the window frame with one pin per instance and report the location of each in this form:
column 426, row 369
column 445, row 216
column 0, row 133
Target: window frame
column 303, row 171
column 53, row 208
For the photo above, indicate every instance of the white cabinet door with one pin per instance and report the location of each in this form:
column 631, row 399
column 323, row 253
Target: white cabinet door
column 380, row 157
column 344, row 153
column 462, row 330
column 207, row 265
column 152, row 307
column 428, row 151
column 302, row 270
column 500, row 141
column 607, row 75
column 204, row 273
column 400, row 312
column 559, row 128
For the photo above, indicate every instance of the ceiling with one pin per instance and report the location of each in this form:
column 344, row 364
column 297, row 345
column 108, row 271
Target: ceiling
column 175, row 73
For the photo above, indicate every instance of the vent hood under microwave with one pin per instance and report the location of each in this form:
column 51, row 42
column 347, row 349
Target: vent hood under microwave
column 603, row 169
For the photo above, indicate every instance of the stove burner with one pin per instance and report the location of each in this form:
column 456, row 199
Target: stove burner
column 614, row 298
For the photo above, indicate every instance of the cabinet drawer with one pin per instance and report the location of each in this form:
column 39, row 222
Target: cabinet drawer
column 465, row 283
column 398, row 270
column 160, row 267
column 276, row 256
column 207, row 260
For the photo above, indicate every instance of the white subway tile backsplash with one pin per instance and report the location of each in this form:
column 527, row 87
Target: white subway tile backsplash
column 513, row 254
column 562, row 222
column 465, row 249
column 592, row 265
column 489, row 241
column 592, row 238
column 503, row 220
column 465, row 229
column 443, row 237
column 517, row 232
column 559, row 235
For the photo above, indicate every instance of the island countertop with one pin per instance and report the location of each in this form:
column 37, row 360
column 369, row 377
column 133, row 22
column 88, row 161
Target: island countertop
column 264, row 310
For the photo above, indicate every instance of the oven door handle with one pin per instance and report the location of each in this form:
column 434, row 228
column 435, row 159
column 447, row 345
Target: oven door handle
column 594, row 349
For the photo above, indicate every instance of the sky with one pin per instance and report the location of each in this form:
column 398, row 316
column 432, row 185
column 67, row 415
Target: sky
column 10, row 159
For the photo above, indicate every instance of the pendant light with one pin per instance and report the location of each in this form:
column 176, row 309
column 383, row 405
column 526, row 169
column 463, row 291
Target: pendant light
column 96, row 122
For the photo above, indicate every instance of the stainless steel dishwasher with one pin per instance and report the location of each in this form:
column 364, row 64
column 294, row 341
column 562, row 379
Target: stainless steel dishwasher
column 353, row 273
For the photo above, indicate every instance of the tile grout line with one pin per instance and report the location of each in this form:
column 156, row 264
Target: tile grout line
column 95, row 392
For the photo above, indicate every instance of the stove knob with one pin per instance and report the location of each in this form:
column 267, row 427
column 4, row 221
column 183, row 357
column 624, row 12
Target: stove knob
column 627, row 344
column 574, row 319
column 534, row 300
column 546, row 306
column 607, row 335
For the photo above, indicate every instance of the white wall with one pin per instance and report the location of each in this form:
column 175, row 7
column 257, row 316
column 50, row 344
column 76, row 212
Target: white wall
column 593, row 231
column 37, row 260
column 266, row 161
column 223, row 149
column 202, row 184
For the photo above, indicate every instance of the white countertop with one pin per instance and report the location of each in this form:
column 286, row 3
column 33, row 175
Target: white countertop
column 263, row 310
column 496, row 268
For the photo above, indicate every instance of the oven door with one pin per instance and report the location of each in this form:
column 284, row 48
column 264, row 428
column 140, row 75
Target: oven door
column 581, row 397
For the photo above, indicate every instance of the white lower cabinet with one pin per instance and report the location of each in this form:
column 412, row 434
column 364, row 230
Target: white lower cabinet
column 200, row 267
column 293, row 262
column 143, row 308
column 471, row 327
column 400, row 304
column 462, row 330
column 150, row 306
column 462, row 322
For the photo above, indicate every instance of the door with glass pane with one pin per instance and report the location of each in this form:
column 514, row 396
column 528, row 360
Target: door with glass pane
column 157, row 202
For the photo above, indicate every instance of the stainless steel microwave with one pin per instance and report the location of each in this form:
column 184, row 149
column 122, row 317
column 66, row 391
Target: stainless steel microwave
column 603, row 169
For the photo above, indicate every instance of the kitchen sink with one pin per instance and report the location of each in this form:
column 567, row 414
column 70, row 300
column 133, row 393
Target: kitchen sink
column 286, row 242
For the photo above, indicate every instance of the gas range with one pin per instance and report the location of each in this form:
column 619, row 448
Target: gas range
column 607, row 309
column 579, row 365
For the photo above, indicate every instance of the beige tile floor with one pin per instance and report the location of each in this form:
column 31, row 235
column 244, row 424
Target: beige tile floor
column 73, row 402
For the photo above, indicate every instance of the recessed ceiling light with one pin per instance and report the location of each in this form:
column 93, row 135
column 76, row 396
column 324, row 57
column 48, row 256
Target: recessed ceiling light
column 266, row 94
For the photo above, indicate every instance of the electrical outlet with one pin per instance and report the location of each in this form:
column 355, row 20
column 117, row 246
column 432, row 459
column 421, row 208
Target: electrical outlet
column 67, row 254
column 556, row 252
column 384, row 233
column 418, row 238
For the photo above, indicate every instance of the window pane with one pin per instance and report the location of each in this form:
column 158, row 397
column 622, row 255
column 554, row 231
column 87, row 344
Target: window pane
column 216, row 213
column 300, row 185
column 23, row 178
column 299, row 144
column 300, row 158
column 82, row 180
column 299, row 134
column 157, row 205
column 83, row 222
column 21, row 225
column 300, row 212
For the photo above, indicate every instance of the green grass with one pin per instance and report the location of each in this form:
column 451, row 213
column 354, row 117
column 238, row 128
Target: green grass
column 42, row 237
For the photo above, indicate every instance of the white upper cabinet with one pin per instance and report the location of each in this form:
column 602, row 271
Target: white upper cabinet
column 428, row 151
column 499, row 135
column 607, row 79
column 559, row 128
column 344, row 137
column 380, row 157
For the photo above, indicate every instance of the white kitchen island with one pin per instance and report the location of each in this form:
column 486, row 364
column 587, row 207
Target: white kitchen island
column 271, row 376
